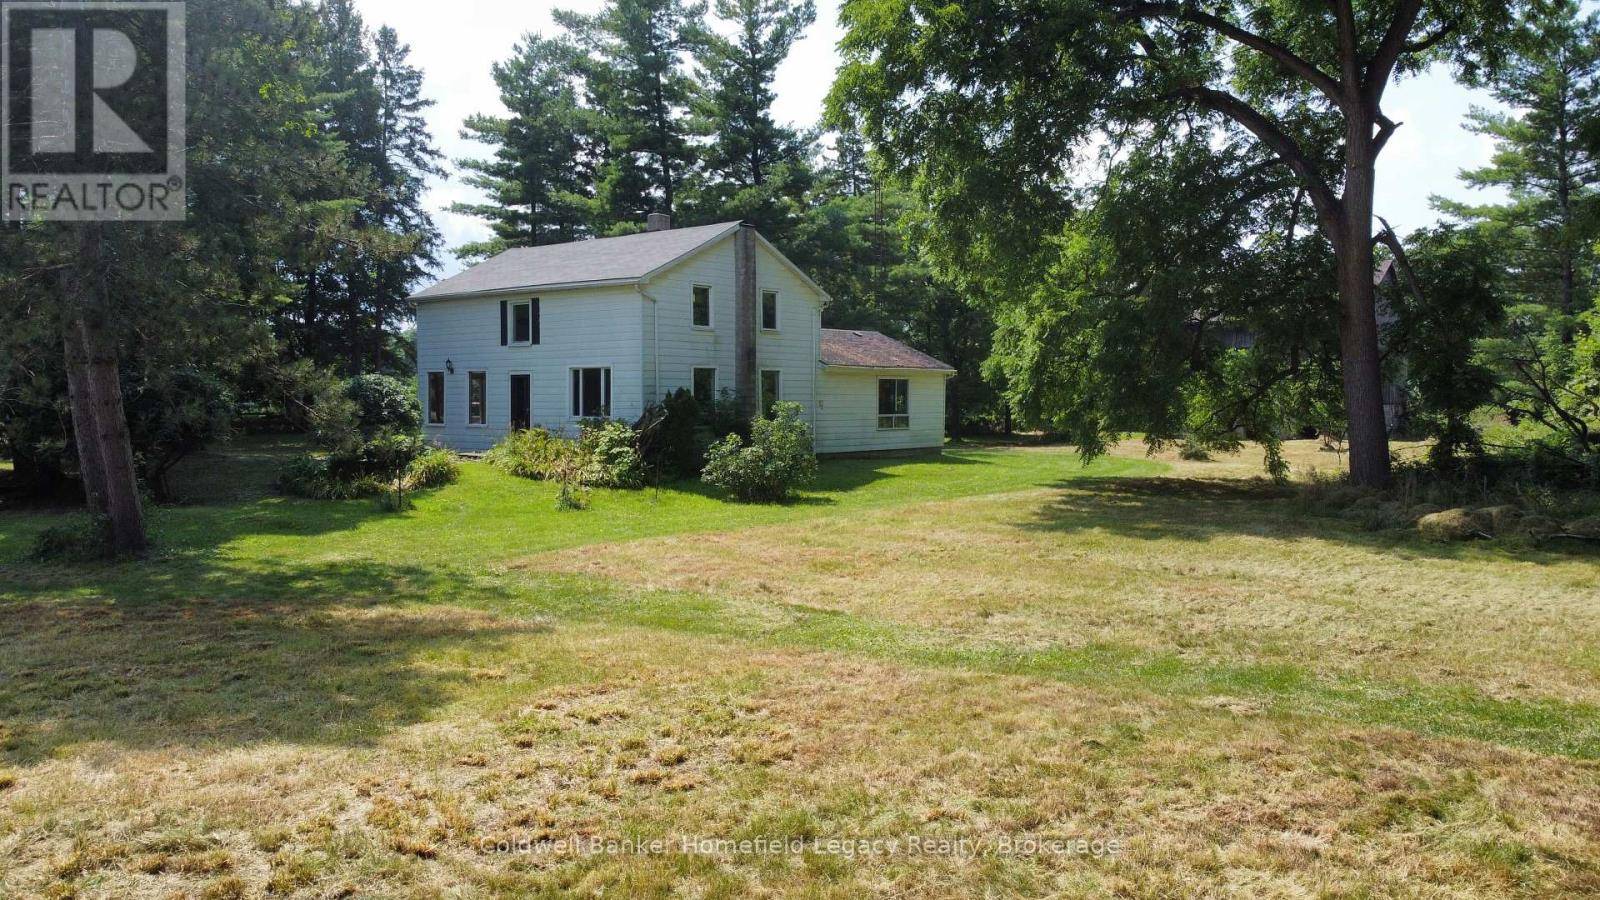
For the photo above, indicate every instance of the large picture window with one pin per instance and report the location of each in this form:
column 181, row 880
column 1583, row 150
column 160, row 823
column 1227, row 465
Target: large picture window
column 591, row 393
column 435, row 398
column 894, row 403
column 477, row 398
column 702, row 306
column 771, row 390
column 705, row 386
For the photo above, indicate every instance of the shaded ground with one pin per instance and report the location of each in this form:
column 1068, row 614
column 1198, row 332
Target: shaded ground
column 309, row 699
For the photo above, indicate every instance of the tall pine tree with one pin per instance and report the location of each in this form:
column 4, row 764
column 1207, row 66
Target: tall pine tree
column 1547, row 158
column 540, row 178
column 403, row 159
column 641, row 91
column 753, row 168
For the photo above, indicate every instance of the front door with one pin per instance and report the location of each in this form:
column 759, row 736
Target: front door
column 521, row 402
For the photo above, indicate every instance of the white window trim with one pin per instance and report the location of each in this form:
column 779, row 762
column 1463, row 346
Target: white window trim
column 444, row 392
column 716, row 378
column 511, row 312
column 777, row 310
column 906, row 415
column 711, row 308
column 604, row 379
column 485, row 422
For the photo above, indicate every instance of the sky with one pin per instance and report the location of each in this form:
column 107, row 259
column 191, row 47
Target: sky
column 454, row 43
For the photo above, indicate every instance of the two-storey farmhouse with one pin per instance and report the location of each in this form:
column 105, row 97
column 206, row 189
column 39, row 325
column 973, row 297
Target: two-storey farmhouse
column 548, row 336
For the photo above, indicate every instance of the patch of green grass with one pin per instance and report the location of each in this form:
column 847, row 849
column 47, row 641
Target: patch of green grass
column 488, row 516
column 319, row 697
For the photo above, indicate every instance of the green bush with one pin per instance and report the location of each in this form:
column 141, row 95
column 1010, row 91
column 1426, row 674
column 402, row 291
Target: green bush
column 80, row 538
column 433, row 469
column 367, row 427
column 530, row 454
column 610, row 455
column 669, row 438
column 673, row 436
column 349, row 415
column 309, row 476
column 383, row 403
column 778, row 459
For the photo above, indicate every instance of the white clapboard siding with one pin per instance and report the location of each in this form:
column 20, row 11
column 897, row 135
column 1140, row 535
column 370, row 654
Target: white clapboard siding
column 577, row 328
column 682, row 347
column 847, row 417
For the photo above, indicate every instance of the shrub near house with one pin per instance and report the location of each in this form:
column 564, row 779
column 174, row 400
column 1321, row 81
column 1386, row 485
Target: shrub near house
column 367, row 431
column 778, row 459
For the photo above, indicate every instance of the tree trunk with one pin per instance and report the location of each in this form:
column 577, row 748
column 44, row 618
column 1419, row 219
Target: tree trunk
column 91, row 470
column 116, row 450
column 96, row 396
column 1358, row 319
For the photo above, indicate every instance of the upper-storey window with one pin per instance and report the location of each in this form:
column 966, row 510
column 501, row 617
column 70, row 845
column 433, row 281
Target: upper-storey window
column 769, row 310
column 519, row 322
column 702, row 306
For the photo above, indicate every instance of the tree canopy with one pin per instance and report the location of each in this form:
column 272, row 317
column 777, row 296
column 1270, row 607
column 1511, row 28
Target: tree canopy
column 996, row 109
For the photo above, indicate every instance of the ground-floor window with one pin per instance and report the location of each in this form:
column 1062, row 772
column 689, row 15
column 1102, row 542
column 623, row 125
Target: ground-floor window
column 477, row 398
column 771, row 389
column 591, row 392
column 705, row 385
column 894, row 403
column 435, row 398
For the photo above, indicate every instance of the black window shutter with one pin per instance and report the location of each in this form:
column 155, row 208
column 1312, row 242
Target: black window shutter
column 533, row 313
column 502, row 323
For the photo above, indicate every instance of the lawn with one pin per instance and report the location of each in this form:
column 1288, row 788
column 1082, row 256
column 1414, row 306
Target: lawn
column 1214, row 690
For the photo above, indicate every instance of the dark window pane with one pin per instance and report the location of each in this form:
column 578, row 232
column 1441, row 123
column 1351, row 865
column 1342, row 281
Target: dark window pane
column 705, row 385
column 591, row 393
column 476, row 401
column 770, row 393
column 894, row 403
column 521, row 402
column 702, row 305
column 521, row 323
column 436, row 398
column 769, row 309
column 577, row 392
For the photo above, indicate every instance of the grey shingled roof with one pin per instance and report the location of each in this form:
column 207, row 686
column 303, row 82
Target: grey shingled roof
column 600, row 261
column 871, row 350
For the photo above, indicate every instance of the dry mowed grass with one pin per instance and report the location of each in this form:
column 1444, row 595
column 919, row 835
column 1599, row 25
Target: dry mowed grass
column 1237, row 698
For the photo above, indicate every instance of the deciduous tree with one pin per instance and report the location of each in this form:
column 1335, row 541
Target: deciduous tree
column 995, row 106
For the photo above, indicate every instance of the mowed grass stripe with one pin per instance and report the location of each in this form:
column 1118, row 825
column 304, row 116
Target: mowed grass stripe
column 1543, row 726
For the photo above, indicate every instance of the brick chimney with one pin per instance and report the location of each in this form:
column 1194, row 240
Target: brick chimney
column 747, row 389
column 658, row 222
